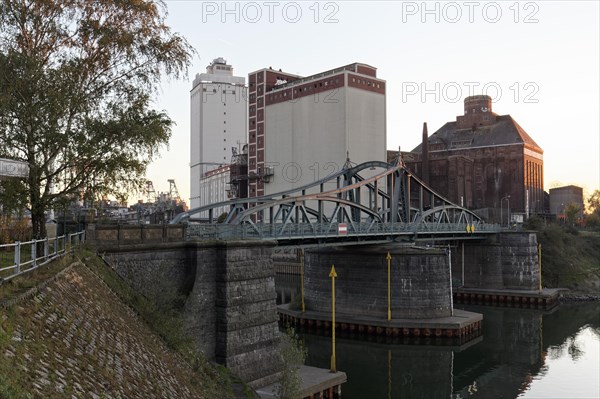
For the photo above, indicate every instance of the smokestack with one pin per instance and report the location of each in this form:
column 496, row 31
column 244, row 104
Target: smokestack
column 425, row 154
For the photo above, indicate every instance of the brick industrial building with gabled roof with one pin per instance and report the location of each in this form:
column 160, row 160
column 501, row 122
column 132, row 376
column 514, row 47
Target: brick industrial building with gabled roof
column 482, row 161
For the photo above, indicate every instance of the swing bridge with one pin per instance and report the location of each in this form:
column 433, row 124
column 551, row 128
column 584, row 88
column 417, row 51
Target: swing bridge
column 373, row 202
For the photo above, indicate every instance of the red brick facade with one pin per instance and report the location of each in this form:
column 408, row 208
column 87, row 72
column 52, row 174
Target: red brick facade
column 481, row 159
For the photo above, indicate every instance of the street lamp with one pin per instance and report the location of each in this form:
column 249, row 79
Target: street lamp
column 507, row 198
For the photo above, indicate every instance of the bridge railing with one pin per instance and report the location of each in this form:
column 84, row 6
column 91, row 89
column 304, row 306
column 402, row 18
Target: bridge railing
column 291, row 231
column 22, row 257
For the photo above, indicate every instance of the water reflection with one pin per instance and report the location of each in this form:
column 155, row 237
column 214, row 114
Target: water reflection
column 572, row 366
column 526, row 353
column 502, row 364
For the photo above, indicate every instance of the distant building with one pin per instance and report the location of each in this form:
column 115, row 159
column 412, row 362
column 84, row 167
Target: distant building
column 561, row 197
column 214, row 188
column 218, row 113
column 482, row 161
column 301, row 129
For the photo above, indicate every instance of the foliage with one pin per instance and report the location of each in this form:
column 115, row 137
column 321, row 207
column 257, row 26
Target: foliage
column 592, row 221
column 535, row 223
column 571, row 213
column 13, row 229
column 13, row 193
column 594, row 203
column 569, row 260
column 293, row 354
column 76, row 84
column 222, row 217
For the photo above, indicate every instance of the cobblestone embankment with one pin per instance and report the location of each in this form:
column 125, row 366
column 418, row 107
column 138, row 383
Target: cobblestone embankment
column 75, row 339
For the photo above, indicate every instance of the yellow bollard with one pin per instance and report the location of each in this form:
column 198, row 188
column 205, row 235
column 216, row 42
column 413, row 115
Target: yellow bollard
column 333, row 275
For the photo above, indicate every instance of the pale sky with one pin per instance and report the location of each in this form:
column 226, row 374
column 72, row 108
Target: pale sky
column 538, row 60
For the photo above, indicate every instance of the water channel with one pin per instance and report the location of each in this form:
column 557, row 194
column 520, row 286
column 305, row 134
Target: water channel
column 522, row 353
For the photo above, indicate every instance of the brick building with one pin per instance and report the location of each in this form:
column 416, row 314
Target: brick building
column 300, row 129
column 562, row 197
column 483, row 161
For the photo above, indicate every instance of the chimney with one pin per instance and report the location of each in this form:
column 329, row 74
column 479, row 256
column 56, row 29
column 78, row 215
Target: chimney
column 425, row 154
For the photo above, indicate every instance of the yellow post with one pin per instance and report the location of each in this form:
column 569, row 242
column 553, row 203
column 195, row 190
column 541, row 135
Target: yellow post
column 389, row 258
column 540, row 263
column 333, row 275
column 302, row 278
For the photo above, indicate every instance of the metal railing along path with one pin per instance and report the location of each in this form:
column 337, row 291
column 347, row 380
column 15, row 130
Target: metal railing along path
column 22, row 257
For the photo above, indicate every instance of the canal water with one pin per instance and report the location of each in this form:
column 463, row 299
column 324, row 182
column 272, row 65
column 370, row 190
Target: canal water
column 522, row 353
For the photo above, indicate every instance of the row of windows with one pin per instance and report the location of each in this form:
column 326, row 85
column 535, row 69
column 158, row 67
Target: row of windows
column 365, row 82
column 224, row 91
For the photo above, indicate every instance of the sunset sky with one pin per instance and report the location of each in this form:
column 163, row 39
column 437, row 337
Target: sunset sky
column 539, row 61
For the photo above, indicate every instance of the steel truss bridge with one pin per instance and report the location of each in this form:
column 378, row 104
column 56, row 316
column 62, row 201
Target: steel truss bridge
column 387, row 204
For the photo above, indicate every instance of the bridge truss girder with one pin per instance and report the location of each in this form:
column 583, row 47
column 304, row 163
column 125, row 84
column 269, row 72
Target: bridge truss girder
column 391, row 196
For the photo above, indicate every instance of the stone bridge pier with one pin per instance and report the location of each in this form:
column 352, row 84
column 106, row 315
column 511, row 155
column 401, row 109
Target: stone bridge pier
column 420, row 295
column 419, row 281
column 507, row 261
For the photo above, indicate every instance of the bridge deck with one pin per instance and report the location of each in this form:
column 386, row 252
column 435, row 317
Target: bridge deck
column 357, row 233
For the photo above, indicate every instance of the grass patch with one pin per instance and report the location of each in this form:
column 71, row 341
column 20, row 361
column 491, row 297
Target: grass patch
column 570, row 258
column 8, row 389
column 21, row 284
